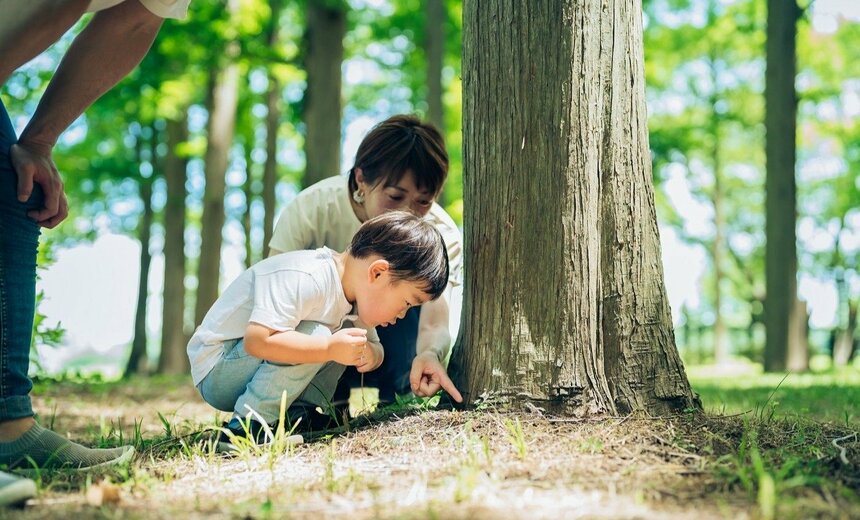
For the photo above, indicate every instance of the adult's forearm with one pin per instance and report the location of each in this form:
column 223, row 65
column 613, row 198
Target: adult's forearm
column 110, row 46
column 29, row 27
column 433, row 334
column 434, row 342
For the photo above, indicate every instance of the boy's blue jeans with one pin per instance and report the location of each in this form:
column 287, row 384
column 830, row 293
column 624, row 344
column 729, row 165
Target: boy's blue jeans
column 240, row 382
column 19, row 244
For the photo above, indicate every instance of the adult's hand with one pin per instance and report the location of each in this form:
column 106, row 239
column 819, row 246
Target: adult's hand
column 428, row 376
column 34, row 165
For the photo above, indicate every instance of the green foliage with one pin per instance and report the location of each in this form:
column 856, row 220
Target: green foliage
column 704, row 66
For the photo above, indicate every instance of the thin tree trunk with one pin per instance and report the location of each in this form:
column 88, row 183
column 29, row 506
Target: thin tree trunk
column 222, row 124
column 798, row 338
column 846, row 325
column 273, row 120
column 248, row 191
column 173, row 359
column 137, row 360
column 721, row 347
column 781, row 204
column 326, row 27
column 434, row 49
column 844, row 342
column 559, row 205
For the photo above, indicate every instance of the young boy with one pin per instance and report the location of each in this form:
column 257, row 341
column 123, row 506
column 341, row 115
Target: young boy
column 281, row 325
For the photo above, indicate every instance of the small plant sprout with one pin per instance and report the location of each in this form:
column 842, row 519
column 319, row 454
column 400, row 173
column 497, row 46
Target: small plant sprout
column 517, row 437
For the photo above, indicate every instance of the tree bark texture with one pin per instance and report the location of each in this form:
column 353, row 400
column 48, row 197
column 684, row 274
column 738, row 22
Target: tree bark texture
column 564, row 296
column 221, row 127
column 781, row 199
column 326, row 28
column 173, row 359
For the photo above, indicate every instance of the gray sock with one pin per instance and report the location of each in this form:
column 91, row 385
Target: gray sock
column 42, row 448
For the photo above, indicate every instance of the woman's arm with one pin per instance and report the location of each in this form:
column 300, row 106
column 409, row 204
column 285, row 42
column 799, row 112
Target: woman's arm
column 434, row 337
column 428, row 374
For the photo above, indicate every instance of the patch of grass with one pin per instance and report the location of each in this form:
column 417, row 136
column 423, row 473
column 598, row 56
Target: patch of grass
column 784, row 464
column 825, row 396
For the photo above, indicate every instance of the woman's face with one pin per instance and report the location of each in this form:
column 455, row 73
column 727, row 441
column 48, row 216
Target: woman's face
column 403, row 196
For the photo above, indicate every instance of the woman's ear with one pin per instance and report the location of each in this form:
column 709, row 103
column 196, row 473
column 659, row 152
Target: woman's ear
column 359, row 177
column 376, row 269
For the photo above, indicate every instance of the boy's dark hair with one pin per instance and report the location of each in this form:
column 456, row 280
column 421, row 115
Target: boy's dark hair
column 399, row 144
column 413, row 248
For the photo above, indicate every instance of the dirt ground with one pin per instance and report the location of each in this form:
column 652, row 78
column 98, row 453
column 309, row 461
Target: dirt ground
column 447, row 464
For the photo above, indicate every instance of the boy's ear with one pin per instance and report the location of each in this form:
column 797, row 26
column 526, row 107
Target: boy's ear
column 377, row 268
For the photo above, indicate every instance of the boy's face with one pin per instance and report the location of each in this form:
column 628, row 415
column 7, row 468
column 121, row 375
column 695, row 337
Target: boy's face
column 386, row 301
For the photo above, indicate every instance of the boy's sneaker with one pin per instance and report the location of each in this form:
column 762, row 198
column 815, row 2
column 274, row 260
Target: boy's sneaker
column 256, row 434
column 305, row 418
column 15, row 490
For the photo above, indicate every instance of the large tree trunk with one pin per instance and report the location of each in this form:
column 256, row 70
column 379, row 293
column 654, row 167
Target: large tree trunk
column 137, row 362
column 173, row 359
column 781, row 205
column 326, row 27
column 273, row 122
column 565, row 302
column 222, row 123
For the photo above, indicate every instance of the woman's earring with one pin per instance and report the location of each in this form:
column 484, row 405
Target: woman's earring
column 358, row 196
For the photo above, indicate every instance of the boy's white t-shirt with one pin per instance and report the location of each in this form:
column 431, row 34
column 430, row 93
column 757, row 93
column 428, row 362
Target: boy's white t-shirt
column 278, row 293
column 162, row 8
column 322, row 215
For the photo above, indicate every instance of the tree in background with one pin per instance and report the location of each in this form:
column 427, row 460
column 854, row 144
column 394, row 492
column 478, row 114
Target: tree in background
column 565, row 302
column 324, row 33
column 137, row 359
column 703, row 72
column 785, row 319
column 221, row 102
column 828, row 195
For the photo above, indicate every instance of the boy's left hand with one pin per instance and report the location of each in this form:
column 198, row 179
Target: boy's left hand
column 372, row 357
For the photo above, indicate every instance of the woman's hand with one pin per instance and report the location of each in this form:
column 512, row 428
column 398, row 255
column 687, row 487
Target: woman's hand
column 428, row 376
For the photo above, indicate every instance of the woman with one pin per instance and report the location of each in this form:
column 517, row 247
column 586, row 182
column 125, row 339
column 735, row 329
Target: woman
column 400, row 165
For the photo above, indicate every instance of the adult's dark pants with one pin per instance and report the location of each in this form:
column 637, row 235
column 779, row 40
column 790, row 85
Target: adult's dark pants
column 392, row 377
column 19, row 244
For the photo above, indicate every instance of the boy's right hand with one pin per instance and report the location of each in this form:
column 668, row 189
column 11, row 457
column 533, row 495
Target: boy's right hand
column 347, row 346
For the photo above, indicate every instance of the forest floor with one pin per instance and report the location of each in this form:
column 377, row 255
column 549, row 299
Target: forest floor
column 417, row 462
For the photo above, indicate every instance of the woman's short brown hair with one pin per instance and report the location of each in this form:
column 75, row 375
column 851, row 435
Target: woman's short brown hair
column 400, row 144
